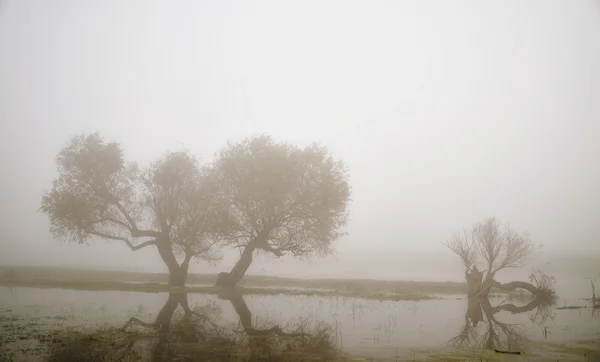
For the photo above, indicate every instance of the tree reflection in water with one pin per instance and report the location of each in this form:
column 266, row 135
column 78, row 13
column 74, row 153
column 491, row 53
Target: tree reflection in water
column 172, row 329
column 187, row 334
column 499, row 335
column 258, row 342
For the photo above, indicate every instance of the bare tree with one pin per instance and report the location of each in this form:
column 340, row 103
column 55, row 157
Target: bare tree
column 498, row 335
column 497, row 249
column 283, row 199
column 172, row 205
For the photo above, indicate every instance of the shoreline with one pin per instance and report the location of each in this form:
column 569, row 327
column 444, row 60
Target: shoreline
column 88, row 279
column 164, row 288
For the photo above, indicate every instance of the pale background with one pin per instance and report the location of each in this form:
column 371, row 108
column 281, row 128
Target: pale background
column 446, row 112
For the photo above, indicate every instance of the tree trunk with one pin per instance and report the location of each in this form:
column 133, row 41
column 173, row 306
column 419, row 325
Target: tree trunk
column 474, row 313
column 177, row 274
column 164, row 319
column 162, row 324
column 473, row 288
column 242, row 310
column 177, row 277
column 236, row 274
column 474, row 282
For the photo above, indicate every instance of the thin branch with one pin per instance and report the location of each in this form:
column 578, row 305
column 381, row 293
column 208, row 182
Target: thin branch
column 205, row 249
column 274, row 330
column 125, row 240
column 126, row 214
column 271, row 249
column 135, row 232
column 133, row 320
column 464, row 248
column 118, row 222
column 204, row 318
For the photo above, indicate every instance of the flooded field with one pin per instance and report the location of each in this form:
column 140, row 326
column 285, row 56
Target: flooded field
column 386, row 330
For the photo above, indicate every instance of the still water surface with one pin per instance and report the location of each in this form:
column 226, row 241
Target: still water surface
column 383, row 329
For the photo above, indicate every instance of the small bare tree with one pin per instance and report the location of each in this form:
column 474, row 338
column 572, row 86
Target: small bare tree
column 497, row 249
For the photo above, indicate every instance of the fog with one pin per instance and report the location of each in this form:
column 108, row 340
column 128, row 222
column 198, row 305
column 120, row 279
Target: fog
column 449, row 116
column 445, row 112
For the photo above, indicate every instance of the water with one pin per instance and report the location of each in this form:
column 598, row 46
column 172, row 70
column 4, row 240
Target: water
column 380, row 329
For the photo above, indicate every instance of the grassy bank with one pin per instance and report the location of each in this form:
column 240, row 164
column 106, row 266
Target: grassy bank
column 83, row 279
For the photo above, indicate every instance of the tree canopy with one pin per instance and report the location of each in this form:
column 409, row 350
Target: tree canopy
column 173, row 204
column 257, row 195
column 281, row 199
column 497, row 249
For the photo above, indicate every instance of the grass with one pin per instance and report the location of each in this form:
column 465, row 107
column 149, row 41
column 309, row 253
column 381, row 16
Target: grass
column 111, row 344
column 559, row 353
column 582, row 350
column 48, row 277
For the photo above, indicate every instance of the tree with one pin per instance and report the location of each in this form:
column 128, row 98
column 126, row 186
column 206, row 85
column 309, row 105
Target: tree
column 283, row 199
column 499, row 335
column 497, row 250
column 172, row 205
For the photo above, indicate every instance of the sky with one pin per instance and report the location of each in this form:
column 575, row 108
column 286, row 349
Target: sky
column 446, row 112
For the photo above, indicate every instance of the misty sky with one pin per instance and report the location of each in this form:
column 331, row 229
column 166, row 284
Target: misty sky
column 446, row 112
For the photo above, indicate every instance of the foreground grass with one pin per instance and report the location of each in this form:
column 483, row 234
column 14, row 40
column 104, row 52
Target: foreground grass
column 48, row 277
column 116, row 344
column 551, row 354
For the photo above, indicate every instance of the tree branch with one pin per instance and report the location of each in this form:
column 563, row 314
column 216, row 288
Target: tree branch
column 118, row 222
column 508, row 287
column 464, row 248
column 279, row 252
column 205, row 249
column 269, row 248
column 273, row 330
column 125, row 240
column 133, row 320
column 515, row 309
column 125, row 213
column 135, row 232
column 186, row 260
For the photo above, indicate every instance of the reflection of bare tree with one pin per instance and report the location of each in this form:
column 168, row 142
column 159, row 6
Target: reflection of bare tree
column 185, row 333
column 274, row 341
column 498, row 335
column 192, row 327
column 595, row 302
column 498, row 250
